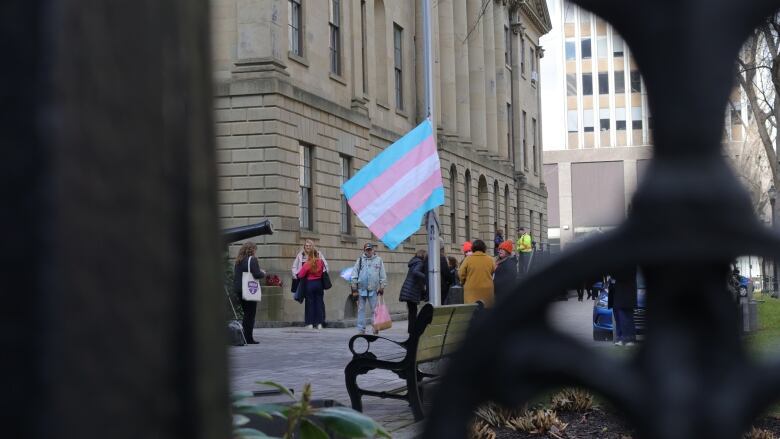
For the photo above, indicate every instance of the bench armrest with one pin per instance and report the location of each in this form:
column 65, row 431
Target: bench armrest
column 370, row 339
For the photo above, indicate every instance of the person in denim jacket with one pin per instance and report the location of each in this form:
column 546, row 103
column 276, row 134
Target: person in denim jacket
column 368, row 281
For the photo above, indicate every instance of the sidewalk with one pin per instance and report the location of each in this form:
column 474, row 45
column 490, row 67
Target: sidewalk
column 295, row 356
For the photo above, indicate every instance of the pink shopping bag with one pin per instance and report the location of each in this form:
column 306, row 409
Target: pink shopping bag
column 382, row 319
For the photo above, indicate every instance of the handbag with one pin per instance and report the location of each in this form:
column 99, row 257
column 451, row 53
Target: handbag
column 326, row 283
column 382, row 318
column 250, row 287
column 294, row 285
column 300, row 291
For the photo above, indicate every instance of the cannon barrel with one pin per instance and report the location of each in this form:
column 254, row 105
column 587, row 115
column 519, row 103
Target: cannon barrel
column 234, row 234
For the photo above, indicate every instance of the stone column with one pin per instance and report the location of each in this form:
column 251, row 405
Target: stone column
column 262, row 35
column 565, row 203
column 447, row 73
column 476, row 75
column 462, row 70
column 502, row 77
column 516, row 35
column 491, row 127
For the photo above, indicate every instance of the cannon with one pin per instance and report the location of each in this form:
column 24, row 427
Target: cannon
column 234, row 234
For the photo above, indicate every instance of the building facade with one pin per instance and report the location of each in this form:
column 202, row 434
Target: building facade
column 310, row 91
column 597, row 152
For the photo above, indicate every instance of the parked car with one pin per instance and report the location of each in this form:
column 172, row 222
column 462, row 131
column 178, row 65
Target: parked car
column 602, row 316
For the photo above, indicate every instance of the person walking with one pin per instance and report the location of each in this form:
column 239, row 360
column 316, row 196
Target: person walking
column 368, row 280
column 247, row 262
column 505, row 277
column 622, row 300
column 414, row 290
column 497, row 240
column 476, row 275
column 311, row 272
column 525, row 249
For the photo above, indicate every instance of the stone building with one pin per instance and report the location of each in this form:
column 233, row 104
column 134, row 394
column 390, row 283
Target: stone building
column 308, row 91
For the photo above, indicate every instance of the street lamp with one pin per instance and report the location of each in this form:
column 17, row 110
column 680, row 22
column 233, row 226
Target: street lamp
column 772, row 192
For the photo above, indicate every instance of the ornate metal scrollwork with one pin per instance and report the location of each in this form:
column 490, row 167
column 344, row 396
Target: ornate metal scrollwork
column 689, row 219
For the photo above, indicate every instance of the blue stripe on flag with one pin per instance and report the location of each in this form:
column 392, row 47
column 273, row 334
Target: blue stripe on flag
column 411, row 224
column 386, row 158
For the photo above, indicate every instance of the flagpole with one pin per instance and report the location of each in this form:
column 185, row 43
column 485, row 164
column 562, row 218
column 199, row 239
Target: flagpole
column 431, row 219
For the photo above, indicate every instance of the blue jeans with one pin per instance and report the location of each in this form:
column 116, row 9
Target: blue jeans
column 361, row 318
column 625, row 330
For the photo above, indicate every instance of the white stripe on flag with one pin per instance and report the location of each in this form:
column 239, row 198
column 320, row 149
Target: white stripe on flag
column 415, row 177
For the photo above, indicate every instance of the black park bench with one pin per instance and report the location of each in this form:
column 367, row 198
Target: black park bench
column 436, row 334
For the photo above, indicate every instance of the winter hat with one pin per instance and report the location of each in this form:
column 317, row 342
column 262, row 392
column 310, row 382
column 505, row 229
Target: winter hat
column 506, row 246
column 466, row 246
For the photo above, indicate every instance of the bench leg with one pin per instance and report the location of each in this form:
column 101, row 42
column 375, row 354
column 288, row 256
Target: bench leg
column 350, row 377
column 415, row 395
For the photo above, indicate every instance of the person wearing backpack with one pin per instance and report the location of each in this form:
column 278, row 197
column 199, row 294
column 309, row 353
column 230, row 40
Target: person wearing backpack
column 247, row 262
column 368, row 281
column 414, row 290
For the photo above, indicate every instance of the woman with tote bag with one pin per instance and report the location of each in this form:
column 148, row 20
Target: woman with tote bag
column 245, row 275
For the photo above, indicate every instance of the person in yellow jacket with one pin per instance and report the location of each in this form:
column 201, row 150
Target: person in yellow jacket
column 476, row 275
column 524, row 249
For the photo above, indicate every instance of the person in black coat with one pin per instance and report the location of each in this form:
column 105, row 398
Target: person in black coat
column 622, row 300
column 249, row 307
column 505, row 276
column 414, row 290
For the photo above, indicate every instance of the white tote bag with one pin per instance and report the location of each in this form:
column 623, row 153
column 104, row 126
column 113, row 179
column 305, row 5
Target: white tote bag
column 250, row 287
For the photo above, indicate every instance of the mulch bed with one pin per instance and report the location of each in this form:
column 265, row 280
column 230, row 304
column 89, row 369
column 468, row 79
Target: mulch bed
column 605, row 425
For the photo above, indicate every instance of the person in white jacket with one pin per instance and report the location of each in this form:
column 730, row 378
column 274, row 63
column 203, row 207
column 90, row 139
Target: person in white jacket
column 300, row 258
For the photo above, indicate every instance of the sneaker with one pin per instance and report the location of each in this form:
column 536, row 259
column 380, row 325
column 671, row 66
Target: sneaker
column 619, row 343
column 319, row 326
column 376, row 332
column 361, row 331
column 630, row 343
column 309, row 327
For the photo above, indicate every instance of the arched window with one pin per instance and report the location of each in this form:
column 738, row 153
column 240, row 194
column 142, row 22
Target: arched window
column 467, row 200
column 506, row 212
column 453, row 204
column 496, row 207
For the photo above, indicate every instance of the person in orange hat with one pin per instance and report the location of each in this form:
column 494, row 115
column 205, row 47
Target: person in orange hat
column 467, row 248
column 505, row 277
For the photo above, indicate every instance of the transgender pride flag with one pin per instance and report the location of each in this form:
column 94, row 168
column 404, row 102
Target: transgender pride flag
column 392, row 193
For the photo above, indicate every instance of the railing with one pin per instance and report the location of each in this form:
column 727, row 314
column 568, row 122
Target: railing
column 691, row 376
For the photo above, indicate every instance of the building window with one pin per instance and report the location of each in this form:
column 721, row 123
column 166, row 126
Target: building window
column 398, row 56
column 346, row 217
column 601, row 47
column 617, row 46
column 568, row 14
column 533, row 59
column 510, row 133
column 571, row 85
column 496, row 208
column 522, row 55
column 364, row 43
column 467, row 200
column 587, row 121
column 305, row 179
column 335, row 36
column 453, row 204
column 620, row 81
column 585, row 47
column 636, row 118
column 571, row 121
column 603, row 83
column 533, row 139
column 571, row 50
column 506, row 211
column 295, row 26
column 507, row 47
column 636, row 82
column 587, row 84
column 604, row 119
column 584, row 19
column 620, row 118
column 524, row 133
column 736, row 113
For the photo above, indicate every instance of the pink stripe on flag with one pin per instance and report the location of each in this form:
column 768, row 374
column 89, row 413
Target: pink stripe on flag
column 400, row 210
column 380, row 184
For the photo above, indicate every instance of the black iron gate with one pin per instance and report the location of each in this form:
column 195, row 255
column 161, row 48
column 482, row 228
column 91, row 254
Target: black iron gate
column 691, row 377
